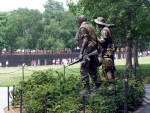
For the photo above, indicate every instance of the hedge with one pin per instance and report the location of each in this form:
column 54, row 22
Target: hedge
column 62, row 94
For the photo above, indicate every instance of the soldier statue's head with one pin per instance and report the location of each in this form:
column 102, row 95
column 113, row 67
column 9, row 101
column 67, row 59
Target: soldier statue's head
column 81, row 19
column 100, row 21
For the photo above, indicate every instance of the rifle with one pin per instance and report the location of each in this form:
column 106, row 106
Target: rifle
column 77, row 61
column 95, row 52
column 110, row 25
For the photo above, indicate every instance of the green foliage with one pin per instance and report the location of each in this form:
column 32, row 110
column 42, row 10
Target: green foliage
column 125, row 14
column 23, row 28
column 59, row 26
column 3, row 20
column 129, row 16
column 62, row 94
column 31, row 29
column 53, row 5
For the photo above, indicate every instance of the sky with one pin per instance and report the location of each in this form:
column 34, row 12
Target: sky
column 9, row 5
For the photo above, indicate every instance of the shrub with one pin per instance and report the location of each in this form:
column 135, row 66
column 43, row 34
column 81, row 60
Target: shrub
column 62, row 94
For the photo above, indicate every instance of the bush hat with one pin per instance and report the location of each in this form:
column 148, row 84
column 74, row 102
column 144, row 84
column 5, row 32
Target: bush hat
column 100, row 20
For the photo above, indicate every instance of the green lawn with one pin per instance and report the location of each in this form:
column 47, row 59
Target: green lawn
column 12, row 75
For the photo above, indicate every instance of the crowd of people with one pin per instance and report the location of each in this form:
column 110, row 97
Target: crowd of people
column 144, row 53
column 122, row 55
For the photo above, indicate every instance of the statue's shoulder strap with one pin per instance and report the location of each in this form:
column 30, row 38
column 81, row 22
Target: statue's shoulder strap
column 107, row 30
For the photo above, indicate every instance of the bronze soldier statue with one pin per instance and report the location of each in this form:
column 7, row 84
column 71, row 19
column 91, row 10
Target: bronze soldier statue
column 108, row 49
column 87, row 42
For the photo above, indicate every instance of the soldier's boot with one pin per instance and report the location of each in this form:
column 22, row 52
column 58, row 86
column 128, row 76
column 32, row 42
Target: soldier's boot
column 97, row 81
column 95, row 88
column 86, row 89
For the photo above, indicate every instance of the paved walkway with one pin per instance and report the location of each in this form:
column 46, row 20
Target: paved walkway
column 3, row 98
column 145, row 108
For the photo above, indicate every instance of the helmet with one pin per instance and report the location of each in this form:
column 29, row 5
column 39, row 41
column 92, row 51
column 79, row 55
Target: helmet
column 81, row 19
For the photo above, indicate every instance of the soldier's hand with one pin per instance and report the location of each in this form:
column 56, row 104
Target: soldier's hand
column 86, row 58
column 80, row 56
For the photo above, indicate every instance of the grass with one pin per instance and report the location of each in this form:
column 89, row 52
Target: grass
column 12, row 75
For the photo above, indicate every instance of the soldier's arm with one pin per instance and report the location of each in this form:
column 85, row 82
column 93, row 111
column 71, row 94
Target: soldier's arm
column 77, row 35
column 84, row 36
column 103, row 38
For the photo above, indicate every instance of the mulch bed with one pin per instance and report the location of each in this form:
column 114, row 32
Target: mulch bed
column 13, row 109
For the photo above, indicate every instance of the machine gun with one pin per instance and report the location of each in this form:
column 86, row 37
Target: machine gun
column 85, row 57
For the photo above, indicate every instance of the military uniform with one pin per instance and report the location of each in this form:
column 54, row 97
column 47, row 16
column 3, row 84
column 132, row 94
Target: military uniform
column 108, row 50
column 87, row 41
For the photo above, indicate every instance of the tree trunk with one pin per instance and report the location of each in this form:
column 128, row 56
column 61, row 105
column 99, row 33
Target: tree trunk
column 135, row 51
column 119, row 53
column 128, row 43
column 30, row 51
column 43, row 51
column 24, row 44
column 128, row 57
column 11, row 50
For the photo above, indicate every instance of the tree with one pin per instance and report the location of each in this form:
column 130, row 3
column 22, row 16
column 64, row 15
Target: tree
column 30, row 29
column 3, row 21
column 23, row 29
column 31, row 26
column 120, row 12
column 140, row 15
column 11, row 32
column 59, row 26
